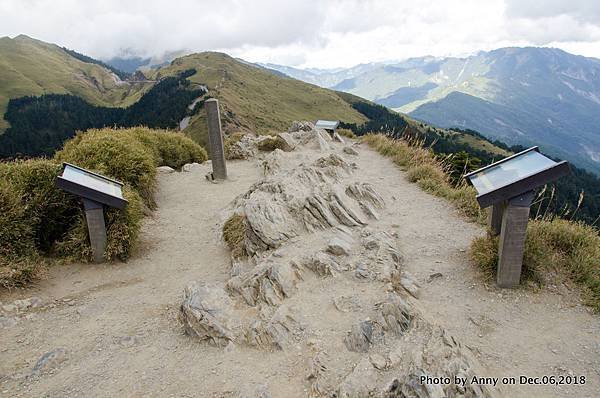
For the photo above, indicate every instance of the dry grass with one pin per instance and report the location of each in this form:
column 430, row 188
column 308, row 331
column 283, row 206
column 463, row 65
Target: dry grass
column 346, row 133
column 231, row 140
column 270, row 144
column 428, row 172
column 234, row 233
column 553, row 247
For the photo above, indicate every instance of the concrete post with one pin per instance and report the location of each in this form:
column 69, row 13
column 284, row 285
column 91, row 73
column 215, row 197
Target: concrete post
column 512, row 240
column 215, row 137
column 495, row 218
column 94, row 215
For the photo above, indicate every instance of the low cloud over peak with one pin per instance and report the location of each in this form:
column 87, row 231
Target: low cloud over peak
column 303, row 33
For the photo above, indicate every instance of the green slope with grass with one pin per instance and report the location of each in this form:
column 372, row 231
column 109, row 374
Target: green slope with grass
column 253, row 99
column 30, row 67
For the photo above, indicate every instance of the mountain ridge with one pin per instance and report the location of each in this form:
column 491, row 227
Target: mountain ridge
column 529, row 95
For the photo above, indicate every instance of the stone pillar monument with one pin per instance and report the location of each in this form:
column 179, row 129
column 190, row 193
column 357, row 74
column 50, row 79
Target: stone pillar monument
column 215, row 137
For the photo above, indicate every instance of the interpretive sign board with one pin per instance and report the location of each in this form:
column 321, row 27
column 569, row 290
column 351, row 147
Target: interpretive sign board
column 329, row 125
column 92, row 186
column 515, row 175
column 96, row 191
column 508, row 185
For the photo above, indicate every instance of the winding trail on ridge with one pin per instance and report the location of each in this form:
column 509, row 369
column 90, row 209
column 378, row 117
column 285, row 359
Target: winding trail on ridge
column 118, row 322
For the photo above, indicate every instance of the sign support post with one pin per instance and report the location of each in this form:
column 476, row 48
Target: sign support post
column 215, row 138
column 495, row 218
column 512, row 240
column 94, row 216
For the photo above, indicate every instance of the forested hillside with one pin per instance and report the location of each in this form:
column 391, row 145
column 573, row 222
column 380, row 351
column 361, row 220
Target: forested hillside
column 30, row 67
column 40, row 125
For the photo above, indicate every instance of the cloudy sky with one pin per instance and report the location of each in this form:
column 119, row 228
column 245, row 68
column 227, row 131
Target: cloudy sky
column 327, row 33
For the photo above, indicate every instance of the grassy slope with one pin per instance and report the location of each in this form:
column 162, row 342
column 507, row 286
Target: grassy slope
column 253, row 99
column 33, row 67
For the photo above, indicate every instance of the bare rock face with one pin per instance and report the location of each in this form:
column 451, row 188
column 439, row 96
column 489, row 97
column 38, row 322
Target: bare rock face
column 362, row 382
column 360, row 337
column 279, row 332
column 393, row 316
column 268, row 283
column 438, row 354
column 301, row 126
column 339, row 247
column 207, row 314
column 350, row 151
column 164, row 170
column 245, row 148
column 288, row 142
column 304, row 199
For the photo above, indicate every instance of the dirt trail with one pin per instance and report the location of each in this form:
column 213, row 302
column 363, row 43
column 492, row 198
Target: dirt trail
column 118, row 326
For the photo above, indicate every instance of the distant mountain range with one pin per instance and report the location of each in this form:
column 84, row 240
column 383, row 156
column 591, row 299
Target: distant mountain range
column 525, row 96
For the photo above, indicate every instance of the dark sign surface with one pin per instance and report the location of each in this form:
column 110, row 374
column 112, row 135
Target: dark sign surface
column 514, row 176
column 92, row 186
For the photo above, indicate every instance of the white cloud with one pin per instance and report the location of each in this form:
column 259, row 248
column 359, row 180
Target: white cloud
column 306, row 33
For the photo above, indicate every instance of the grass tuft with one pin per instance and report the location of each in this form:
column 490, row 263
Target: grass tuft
column 553, row 249
column 270, row 144
column 234, row 234
column 346, row 133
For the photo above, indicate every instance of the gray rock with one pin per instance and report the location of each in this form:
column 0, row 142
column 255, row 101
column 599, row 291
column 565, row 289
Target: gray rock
column 280, row 331
column 207, row 314
column 267, row 283
column 191, row 167
column 25, row 304
column 50, row 360
column 287, row 141
column 164, row 170
column 301, row 126
column 347, row 303
column 378, row 361
column 359, row 339
column 350, row 151
column 410, row 285
column 338, row 138
column 360, row 383
column 338, row 247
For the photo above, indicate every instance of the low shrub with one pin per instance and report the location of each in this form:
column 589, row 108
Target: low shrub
column 38, row 220
column 552, row 247
column 269, row 144
column 346, row 133
column 234, row 233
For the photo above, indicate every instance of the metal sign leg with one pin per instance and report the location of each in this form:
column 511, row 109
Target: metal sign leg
column 512, row 240
column 94, row 215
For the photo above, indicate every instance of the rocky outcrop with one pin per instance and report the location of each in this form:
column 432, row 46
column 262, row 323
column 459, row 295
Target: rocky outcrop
column 207, row 314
